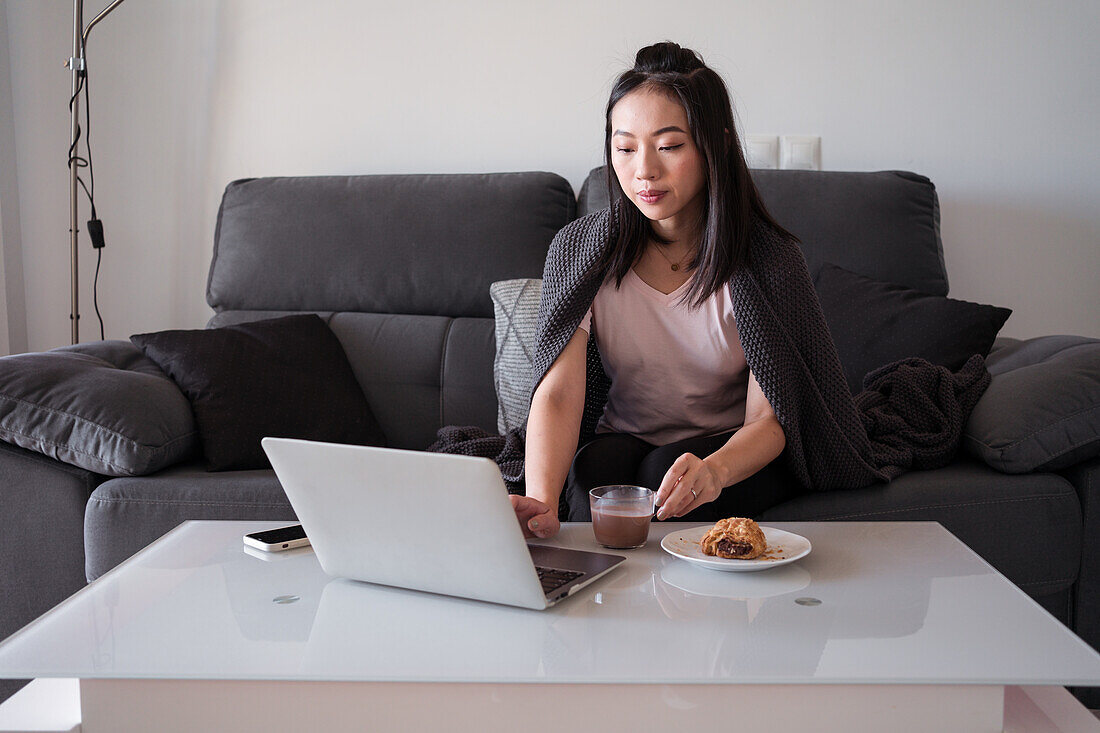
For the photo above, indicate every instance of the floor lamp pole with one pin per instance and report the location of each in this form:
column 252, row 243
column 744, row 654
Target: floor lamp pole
column 76, row 64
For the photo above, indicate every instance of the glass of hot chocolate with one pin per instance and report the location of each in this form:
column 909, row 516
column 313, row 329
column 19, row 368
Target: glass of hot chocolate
column 621, row 515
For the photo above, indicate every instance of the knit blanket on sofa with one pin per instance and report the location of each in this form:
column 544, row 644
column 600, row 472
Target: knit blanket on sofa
column 910, row 414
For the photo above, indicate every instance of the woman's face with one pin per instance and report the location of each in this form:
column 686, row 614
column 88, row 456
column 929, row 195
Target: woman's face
column 658, row 164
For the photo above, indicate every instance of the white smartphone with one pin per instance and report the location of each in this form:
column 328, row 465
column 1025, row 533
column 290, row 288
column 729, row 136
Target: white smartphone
column 277, row 540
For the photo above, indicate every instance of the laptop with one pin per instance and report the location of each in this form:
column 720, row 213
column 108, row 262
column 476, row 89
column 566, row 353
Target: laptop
column 431, row 522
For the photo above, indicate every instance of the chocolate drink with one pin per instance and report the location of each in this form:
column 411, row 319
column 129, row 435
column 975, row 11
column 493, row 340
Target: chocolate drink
column 619, row 526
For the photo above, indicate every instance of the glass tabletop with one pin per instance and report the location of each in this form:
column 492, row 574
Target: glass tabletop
column 873, row 602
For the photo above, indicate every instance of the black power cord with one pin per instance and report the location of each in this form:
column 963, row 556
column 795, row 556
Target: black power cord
column 95, row 226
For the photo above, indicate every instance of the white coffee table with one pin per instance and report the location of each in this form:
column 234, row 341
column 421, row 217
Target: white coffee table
column 884, row 626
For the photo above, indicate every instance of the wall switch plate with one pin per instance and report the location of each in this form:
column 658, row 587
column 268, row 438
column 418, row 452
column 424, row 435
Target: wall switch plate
column 800, row 152
column 763, row 151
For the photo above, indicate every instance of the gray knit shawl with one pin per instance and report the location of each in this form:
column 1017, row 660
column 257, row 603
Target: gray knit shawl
column 834, row 441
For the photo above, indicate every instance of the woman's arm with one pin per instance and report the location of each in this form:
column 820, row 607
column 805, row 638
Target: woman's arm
column 759, row 441
column 553, row 427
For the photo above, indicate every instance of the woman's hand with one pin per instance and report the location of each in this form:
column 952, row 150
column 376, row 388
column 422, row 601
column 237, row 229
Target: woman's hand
column 535, row 518
column 756, row 444
column 689, row 482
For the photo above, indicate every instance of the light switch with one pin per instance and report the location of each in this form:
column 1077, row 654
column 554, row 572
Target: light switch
column 763, row 151
column 800, row 152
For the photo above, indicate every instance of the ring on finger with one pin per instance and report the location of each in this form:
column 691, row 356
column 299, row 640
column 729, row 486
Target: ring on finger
column 694, row 496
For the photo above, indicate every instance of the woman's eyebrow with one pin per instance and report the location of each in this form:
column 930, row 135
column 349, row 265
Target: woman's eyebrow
column 670, row 128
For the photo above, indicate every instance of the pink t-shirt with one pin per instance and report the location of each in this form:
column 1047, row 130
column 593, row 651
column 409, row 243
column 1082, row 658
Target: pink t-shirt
column 676, row 372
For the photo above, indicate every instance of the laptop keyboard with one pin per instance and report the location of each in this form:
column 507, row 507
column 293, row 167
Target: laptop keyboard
column 554, row 578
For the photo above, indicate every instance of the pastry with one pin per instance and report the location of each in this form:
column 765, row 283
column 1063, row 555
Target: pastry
column 735, row 538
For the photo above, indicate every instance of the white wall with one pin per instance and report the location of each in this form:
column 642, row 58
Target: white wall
column 13, row 316
column 997, row 102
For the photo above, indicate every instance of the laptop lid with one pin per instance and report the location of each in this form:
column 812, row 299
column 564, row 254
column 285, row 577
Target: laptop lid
column 427, row 521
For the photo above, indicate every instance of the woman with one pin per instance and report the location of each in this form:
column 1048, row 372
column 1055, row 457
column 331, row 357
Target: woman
column 684, row 414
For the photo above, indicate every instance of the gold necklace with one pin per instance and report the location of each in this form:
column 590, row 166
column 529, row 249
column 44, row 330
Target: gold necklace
column 675, row 265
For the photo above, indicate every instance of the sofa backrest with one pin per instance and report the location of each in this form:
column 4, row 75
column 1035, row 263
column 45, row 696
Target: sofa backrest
column 400, row 267
column 882, row 224
column 413, row 244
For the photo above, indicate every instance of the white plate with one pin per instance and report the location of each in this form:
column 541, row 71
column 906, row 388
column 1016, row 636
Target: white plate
column 783, row 548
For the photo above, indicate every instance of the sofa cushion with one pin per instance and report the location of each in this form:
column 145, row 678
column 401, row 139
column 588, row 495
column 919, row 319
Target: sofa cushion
column 875, row 323
column 516, row 303
column 466, row 375
column 414, row 244
column 284, row 377
column 978, row 505
column 124, row 515
column 1042, row 408
column 844, row 218
column 419, row 373
column 101, row 406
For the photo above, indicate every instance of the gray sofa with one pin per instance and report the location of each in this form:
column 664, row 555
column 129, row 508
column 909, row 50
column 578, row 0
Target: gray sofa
column 400, row 269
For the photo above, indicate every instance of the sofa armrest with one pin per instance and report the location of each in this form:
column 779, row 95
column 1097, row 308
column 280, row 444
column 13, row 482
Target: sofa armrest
column 1042, row 408
column 1085, row 613
column 102, row 406
column 42, row 505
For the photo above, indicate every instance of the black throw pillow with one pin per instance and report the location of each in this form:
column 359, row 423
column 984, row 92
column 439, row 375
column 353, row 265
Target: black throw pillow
column 284, row 377
column 875, row 323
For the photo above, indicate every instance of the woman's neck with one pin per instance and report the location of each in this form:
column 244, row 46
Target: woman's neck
column 678, row 233
column 686, row 226
column 678, row 252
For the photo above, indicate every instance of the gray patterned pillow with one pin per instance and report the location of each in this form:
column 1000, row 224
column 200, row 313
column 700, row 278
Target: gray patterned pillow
column 516, row 306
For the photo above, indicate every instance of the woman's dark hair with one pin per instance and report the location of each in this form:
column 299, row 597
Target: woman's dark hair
column 731, row 199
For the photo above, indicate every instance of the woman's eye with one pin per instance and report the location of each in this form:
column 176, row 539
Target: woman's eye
column 666, row 147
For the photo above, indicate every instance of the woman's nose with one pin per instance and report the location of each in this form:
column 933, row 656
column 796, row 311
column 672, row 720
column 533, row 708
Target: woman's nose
column 646, row 165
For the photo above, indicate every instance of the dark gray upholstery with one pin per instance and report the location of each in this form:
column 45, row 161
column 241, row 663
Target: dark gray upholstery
column 397, row 360
column 1009, row 354
column 102, row 406
column 976, row 504
column 467, row 374
column 884, row 225
column 593, row 195
column 1042, row 409
column 417, row 369
column 41, row 539
column 228, row 318
column 413, row 244
column 1085, row 614
column 418, row 372
column 126, row 514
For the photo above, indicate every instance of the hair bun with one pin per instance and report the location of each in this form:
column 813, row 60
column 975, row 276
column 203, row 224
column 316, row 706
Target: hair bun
column 667, row 56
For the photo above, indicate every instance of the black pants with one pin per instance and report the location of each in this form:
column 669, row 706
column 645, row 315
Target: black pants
column 618, row 458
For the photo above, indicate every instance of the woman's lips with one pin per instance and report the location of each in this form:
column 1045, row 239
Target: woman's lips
column 651, row 197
